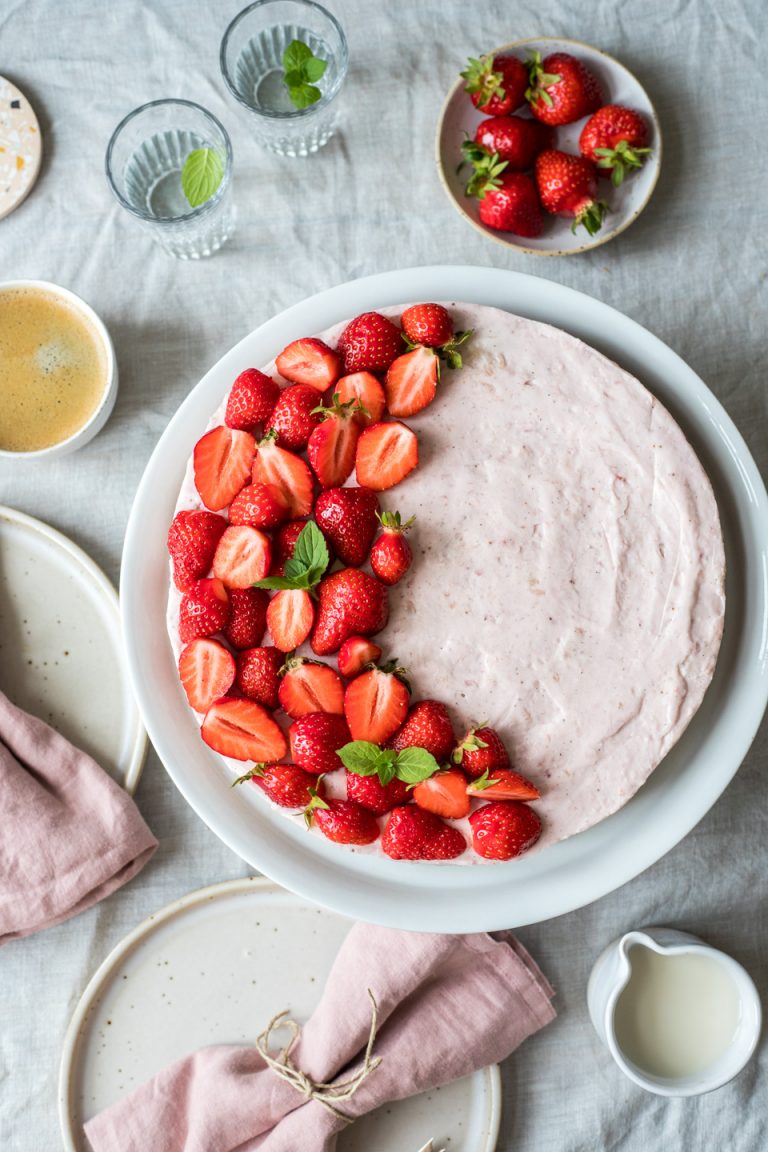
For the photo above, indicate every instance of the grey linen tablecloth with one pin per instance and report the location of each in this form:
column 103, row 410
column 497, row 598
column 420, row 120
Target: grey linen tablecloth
column 692, row 269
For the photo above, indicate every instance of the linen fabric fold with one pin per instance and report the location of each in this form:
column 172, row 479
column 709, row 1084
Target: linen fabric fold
column 70, row 835
column 446, row 1005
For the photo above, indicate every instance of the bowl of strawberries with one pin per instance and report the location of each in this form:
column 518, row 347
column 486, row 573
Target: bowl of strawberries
column 548, row 146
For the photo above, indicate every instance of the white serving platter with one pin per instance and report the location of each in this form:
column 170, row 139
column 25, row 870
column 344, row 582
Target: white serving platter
column 449, row 898
column 214, row 968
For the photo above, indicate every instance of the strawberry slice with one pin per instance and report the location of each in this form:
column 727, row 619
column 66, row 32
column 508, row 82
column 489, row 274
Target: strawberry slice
column 286, row 471
column 290, row 617
column 204, row 610
column 355, row 653
column 222, row 462
column 309, row 686
column 243, row 730
column 367, row 390
column 332, row 445
column 386, row 453
column 251, row 400
column 376, row 703
column 503, row 784
column 445, row 794
column 243, row 556
column 207, row 671
column 411, row 382
column 309, row 361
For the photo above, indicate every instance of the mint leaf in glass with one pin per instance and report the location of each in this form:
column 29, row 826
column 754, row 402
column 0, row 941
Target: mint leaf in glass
column 201, row 175
column 301, row 70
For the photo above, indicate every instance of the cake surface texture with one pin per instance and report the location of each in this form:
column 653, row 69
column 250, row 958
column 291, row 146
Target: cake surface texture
column 568, row 575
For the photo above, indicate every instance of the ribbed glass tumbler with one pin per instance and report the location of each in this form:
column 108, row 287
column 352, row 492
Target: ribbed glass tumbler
column 252, row 65
column 145, row 159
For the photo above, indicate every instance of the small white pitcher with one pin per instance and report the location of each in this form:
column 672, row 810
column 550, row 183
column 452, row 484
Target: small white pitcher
column 609, row 978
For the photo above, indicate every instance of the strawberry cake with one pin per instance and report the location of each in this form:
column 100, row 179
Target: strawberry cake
column 447, row 583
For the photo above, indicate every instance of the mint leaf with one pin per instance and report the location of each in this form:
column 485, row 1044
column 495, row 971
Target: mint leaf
column 300, row 69
column 304, row 96
column 311, row 550
column 306, row 567
column 296, row 55
column 366, row 759
column 314, row 69
column 414, row 765
column 279, row 584
column 201, row 175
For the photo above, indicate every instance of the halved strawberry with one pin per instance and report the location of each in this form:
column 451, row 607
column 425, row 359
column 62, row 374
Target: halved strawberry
column 259, row 506
column 309, row 686
column 289, row 618
column 204, row 610
column 222, row 462
column 445, row 794
column 243, row 730
column 251, row 400
column 376, row 703
column 504, row 830
column 288, row 472
column 365, row 388
column 192, row 540
column 412, row 833
column 342, row 821
column 369, row 343
column 295, row 416
column 411, row 381
column 386, row 453
column 331, row 447
column 373, row 795
column 242, row 557
column 355, row 653
column 315, row 741
column 258, row 674
column 248, row 617
column 285, row 784
column 206, row 671
column 502, row 784
column 309, row 361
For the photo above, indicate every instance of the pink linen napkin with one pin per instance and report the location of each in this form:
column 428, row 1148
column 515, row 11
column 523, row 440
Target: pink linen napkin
column 446, row 1006
column 70, row 835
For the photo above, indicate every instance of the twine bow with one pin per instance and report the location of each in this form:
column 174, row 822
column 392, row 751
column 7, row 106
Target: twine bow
column 326, row 1094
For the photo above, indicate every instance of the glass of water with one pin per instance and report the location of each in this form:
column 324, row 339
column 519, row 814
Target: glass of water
column 144, row 163
column 252, row 65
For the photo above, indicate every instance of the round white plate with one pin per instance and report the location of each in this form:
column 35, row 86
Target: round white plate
column 440, row 897
column 213, row 968
column 459, row 116
column 61, row 647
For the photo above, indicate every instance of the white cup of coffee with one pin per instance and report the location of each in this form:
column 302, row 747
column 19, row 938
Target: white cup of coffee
column 58, row 373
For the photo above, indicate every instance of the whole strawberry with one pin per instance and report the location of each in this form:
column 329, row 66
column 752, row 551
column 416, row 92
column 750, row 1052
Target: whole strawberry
column 496, row 84
column 412, row 833
column 391, row 555
column 342, row 821
column 427, row 725
column 350, row 603
column 247, row 618
column 615, row 138
column 567, row 186
column 259, row 506
column 251, row 400
column 515, row 139
column 481, row 750
column 258, row 675
column 347, row 518
column 369, row 343
column 504, row 829
column 285, row 784
column 508, row 200
column 429, row 324
column 562, row 89
column 375, row 796
column 295, row 416
column 204, row 610
column 192, row 541
column 315, row 739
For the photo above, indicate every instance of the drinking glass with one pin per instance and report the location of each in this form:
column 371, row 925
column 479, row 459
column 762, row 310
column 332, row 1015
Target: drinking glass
column 251, row 60
column 144, row 162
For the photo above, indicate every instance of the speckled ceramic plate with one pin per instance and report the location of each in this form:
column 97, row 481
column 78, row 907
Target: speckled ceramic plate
column 458, row 117
column 21, row 147
column 61, row 647
column 150, row 1003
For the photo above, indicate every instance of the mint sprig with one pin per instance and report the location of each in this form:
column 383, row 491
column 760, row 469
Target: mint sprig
column 201, row 175
column 301, row 70
column 306, row 567
column 412, row 765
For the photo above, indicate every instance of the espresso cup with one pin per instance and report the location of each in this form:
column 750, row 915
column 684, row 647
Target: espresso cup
column 46, row 406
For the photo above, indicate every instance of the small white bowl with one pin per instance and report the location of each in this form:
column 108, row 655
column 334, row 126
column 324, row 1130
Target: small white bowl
column 610, row 976
column 104, row 410
column 626, row 202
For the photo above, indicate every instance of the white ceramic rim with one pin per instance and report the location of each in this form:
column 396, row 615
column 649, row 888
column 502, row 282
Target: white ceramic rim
column 146, row 927
column 105, row 588
column 99, row 418
column 504, row 239
column 435, row 897
column 747, row 991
